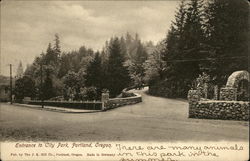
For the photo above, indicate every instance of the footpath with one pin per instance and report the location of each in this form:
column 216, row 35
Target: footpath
column 57, row 109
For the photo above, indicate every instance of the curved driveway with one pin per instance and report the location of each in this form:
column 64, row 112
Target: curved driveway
column 155, row 119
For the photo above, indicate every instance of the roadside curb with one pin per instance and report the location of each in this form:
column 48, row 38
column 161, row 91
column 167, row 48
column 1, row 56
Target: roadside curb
column 57, row 109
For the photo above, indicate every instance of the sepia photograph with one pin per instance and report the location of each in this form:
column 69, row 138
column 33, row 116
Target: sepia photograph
column 154, row 80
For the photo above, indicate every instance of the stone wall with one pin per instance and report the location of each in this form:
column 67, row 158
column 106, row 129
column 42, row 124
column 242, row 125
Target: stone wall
column 213, row 109
column 117, row 102
column 105, row 103
column 228, row 94
column 226, row 110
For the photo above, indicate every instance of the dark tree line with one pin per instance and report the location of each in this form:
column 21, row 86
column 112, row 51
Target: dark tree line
column 84, row 74
column 206, row 36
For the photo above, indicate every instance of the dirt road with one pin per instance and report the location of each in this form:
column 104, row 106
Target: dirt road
column 155, row 119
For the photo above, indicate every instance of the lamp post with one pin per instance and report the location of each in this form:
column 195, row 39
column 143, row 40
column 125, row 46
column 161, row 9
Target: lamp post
column 41, row 88
column 11, row 84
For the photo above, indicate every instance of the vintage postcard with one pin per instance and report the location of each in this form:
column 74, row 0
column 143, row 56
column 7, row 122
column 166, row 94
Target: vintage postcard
column 124, row 80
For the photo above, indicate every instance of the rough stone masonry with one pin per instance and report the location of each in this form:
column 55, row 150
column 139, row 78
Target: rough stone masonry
column 213, row 109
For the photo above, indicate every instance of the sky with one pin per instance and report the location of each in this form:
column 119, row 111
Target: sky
column 27, row 27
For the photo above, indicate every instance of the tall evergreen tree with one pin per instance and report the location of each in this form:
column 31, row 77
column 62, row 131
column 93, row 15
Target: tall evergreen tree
column 135, row 65
column 174, row 41
column 118, row 77
column 193, row 40
column 48, row 90
column 141, row 54
column 65, row 65
column 172, row 52
column 57, row 47
column 52, row 54
column 94, row 72
column 153, row 66
column 48, row 57
column 123, row 46
column 227, row 30
column 183, row 49
column 188, row 29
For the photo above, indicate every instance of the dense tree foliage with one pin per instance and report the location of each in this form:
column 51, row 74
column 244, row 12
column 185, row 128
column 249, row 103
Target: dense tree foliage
column 183, row 48
column 83, row 74
column 95, row 74
column 44, row 71
column 24, row 87
column 227, row 38
column 206, row 36
column 117, row 73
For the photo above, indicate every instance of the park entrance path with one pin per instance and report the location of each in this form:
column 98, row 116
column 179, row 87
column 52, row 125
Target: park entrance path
column 155, row 119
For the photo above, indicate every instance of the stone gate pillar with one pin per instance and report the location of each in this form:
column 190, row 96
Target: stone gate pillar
column 206, row 90
column 216, row 90
column 193, row 97
column 104, row 99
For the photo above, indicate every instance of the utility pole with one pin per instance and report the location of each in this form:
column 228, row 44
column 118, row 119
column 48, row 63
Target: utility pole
column 41, row 88
column 10, row 83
